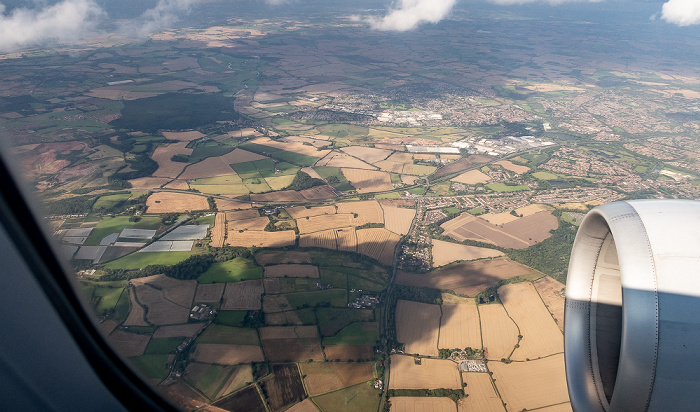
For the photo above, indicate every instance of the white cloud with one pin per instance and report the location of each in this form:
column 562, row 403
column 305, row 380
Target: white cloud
column 64, row 22
column 681, row 12
column 410, row 13
column 164, row 14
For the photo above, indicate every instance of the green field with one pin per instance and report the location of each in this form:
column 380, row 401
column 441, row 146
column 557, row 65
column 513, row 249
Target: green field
column 106, row 298
column 342, row 130
column 163, row 345
column 231, row 271
column 332, row 320
column 152, row 365
column 335, row 177
column 451, row 210
column 229, row 334
column 334, row 297
column 545, row 176
column 353, row 334
column 141, row 260
column 359, row 398
column 390, row 195
column 502, row 187
column 110, row 225
column 230, row 317
column 106, row 203
column 337, row 279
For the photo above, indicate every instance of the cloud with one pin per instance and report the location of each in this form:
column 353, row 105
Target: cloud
column 410, row 13
column 164, row 14
column 681, row 12
column 64, row 22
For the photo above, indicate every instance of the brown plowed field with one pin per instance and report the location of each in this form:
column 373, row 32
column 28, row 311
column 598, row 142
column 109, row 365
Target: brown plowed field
column 251, row 238
column 291, row 270
column 294, row 350
column 336, row 159
column 160, row 310
column 183, row 136
column 282, row 318
column 377, row 243
column 472, row 177
column 368, row 154
column 222, row 205
column 448, row 252
column 136, row 314
column 430, row 374
column 241, row 156
column 129, row 344
column 210, row 167
column 367, row 211
column 348, row 352
column 346, row 239
column 519, row 234
column 177, row 184
column 176, row 331
column 282, row 196
column 256, row 223
column 468, row 278
column 324, row 222
column 220, row 354
column 180, row 292
column 482, row 395
column 282, row 387
column 417, row 327
column 242, row 215
column 530, row 385
column 535, row 227
column 550, row 292
column 398, row 219
column 166, row 167
column 275, row 258
column 508, row 165
column 325, row 239
column 305, row 406
column 461, row 164
column 368, row 181
column 209, row 293
column 288, row 332
column 218, row 232
column 300, row 212
column 459, row 326
column 421, row 404
column 149, row 182
column 272, row 304
column 243, row 295
column 168, row 202
column 326, row 377
column 541, row 336
column 498, row 331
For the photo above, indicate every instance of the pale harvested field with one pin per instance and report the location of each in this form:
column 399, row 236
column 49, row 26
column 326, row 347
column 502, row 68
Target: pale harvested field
column 169, row 202
column 532, row 209
column 211, row 292
column 498, row 331
column 256, row 223
column 210, row 167
column 166, row 167
column 242, row 215
column 176, row 331
column 531, row 384
column 409, row 180
column 377, row 243
column 472, row 177
column 136, row 314
column 424, row 156
column 183, row 136
column 562, row 407
column 180, row 292
column 218, row 232
column 368, row 181
column 129, row 344
column 549, row 87
column 430, row 374
column 149, row 182
column 448, row 252
column 275, row 258
column 482, row 395
column 550, row 292
column 324, row 222
column 241, row 156
column 398, row 219
column 279, row 182
column 223, row 205
column 541, row 336
column 326, row 377
column 346, row 239
column 304, row 406
column 459, row 326
column 335, row 159
column 508, row 165
column 468, row 278
column 243, row 295
column 325, row 239
column 368, row 154
column 291, row 147
column 311, row 172
column 177, row 184
column 251, row 238
column 220, row 354
column 389, row 166
column 499, row 218
column 283, row 196
column 368, row 211
column 291, row 270
column 417, row 327
column 421, row 404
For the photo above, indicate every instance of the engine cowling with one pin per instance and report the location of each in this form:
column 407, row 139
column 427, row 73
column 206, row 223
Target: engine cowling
column 632, row 317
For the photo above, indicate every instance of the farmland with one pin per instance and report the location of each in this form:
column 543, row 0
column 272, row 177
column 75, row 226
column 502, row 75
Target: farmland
column 423, row 404
column 459, row 326
column 498, row 332
column 233, row 270
column 224, row 354
column 368, row 181
column 417, row 326
column 324, row 377
column 283, row 387
column 482, row 396
column 167, row 202
column 550, row 291
column 398, row 219
column 429, row 374
column 472, row 177
column 447, row 252
column 250, row 238
column 291, row 270
column 243, row 295
column 360, row 397
column 377, row 243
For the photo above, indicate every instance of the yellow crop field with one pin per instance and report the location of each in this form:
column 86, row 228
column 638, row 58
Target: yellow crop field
column 377, row 243
column 368, row 211
column 221, row 354
column 499, row 218
column 498, row 331
column 183, row 136
column 291, row 270
column 218, row 232
column 541, row 336
column 508, row 165
column 482, row 395
column 389, row 166
column 562, row 407
column 169, row 202
column 324, row 222
column 430, row 374
column 149, row 182
column 368, row 181
column 417, row 327
column 324, row 239
column 346, row 239
column 419, row 170
column 448, row 252
column 459, row 326
column 162, row 156
column 258, row 238
column 222, row 204
column 398, row 219
column 298, row 212
column 336, row 159
column 472, row 177
column 408, row 180
column 533, row 384
column 256, row 223
column 550, row 291
column 291, row 147
column 421, row 404
column 532, row 209
column 368, row 154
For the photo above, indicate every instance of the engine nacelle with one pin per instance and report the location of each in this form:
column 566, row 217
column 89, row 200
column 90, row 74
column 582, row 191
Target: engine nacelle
column 632, row 320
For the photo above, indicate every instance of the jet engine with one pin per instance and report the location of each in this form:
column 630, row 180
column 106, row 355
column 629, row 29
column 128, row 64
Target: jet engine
column 632, row 317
